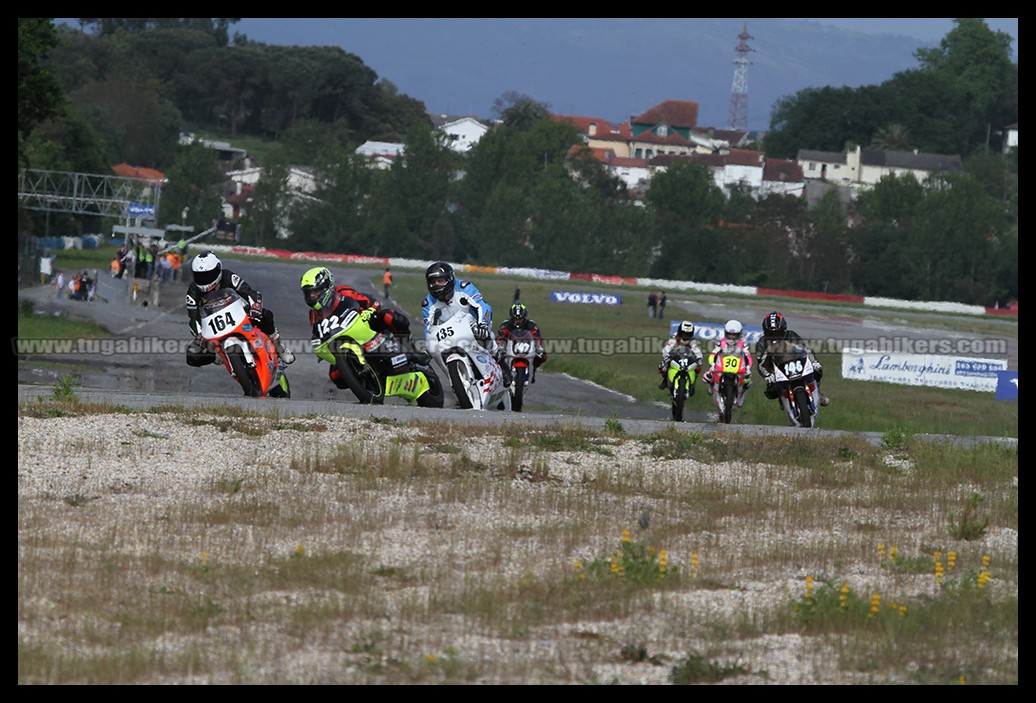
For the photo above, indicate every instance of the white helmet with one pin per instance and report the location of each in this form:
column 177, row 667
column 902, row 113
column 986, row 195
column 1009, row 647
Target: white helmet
column 685, row 333
column 206, row 270
column 732, row 330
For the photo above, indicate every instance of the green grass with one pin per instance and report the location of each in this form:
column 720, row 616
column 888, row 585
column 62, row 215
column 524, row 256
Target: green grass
column 626, row 346
column 635, row 343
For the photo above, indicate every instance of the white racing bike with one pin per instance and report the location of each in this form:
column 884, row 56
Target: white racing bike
column 473, row 372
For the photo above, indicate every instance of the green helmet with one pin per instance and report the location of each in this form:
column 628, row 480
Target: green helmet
column 318, row 287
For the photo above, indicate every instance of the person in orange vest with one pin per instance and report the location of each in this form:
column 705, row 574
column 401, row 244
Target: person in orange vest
column 115, row 267
column 386, row 280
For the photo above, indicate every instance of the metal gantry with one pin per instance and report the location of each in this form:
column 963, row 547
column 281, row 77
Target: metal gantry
column 88, row 193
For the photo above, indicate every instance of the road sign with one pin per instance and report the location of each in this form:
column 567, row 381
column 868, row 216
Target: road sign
column 140, row 210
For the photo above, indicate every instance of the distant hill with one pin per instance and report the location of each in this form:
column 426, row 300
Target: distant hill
column 602, row 67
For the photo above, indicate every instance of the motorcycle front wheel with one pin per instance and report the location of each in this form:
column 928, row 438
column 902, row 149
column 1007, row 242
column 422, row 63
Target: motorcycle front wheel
column 460, row 380
column 679, row 397
column 802, row 405
column 360, row 379
column 729, row 391
column 245, row 374
column 519, row 388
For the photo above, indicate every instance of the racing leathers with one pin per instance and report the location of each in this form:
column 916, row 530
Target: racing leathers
column 507, row 330
column 387, row 320
column 724, row 347
column 467, row 295
column 663, row 368
column 198, row 354
column 764, row 362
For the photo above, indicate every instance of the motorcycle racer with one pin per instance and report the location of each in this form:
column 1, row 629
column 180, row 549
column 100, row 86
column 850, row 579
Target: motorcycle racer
column 443, row 289
column 207, row 275
column 775, row 329
column 323, row 297
column 684, row 335
column 519, row 320
column 732, row 343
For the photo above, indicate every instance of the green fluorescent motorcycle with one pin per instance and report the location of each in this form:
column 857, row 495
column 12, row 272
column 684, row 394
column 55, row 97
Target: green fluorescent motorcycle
column 374, row 365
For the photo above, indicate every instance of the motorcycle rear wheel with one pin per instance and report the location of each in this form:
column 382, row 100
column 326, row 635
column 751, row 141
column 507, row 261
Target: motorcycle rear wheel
column 519, row 388
column 433, row 397
column 245, row 374
column 361, row 379
column 460, row 381
column 802, row 405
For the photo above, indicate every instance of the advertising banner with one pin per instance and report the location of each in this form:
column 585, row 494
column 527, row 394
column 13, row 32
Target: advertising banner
column 1007, row 385
column 923, row 370
column 560, row 296
column 713, row 332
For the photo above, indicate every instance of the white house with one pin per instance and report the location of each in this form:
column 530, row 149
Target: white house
column 863, row 168
column 371, row 149
column 1010, row 137
column 463, row 133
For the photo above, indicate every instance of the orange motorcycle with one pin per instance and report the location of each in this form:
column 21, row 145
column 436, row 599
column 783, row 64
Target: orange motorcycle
column 246, row 351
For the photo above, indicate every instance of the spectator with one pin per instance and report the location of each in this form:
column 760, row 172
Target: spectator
column 115, row 267
column 59, row 289
column 121, row 256
column 661, row 305
column 46, row 268
column 165, row 268
column 652, row 304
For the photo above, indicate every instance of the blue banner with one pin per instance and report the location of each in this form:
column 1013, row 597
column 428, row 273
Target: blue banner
column 1007, row 385
column 560, row 296
column 139, row 209
column 713, row 332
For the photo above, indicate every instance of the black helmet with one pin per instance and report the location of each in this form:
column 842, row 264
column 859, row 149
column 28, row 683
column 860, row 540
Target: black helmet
column 440, row 279
column 318, row 287
column 206, row 271
column 774, row 325
column 519, row 314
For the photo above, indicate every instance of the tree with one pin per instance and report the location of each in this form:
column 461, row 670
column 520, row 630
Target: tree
column 685, row 204
column 976, row 61
column 39, row 92
column 520, row 111
column 892, row 137
column 195, row 183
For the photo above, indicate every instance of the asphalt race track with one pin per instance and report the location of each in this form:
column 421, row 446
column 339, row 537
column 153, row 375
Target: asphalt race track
column 149, row 378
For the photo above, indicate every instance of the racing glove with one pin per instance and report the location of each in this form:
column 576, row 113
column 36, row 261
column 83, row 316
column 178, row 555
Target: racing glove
column 481, row 331
column 255, row 310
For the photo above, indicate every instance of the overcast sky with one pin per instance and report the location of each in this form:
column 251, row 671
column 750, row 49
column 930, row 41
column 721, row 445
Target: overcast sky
column 612, row 68
column 461, row 65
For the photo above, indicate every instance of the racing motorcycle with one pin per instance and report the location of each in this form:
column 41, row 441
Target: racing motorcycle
column 682, row 371
column 473, row 372
column 730, row 370
column 374, row 365
column 799, row 394
column 249, row 355
column 519, row 352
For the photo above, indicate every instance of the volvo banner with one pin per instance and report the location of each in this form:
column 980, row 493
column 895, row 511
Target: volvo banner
column 559, row 296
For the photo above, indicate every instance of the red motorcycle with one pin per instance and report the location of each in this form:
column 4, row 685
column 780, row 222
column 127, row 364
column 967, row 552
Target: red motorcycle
column 519, row 353
column 730, row 373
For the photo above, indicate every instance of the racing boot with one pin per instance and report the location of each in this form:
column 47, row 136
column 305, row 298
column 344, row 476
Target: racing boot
column 505, row 372
column 286, row 355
